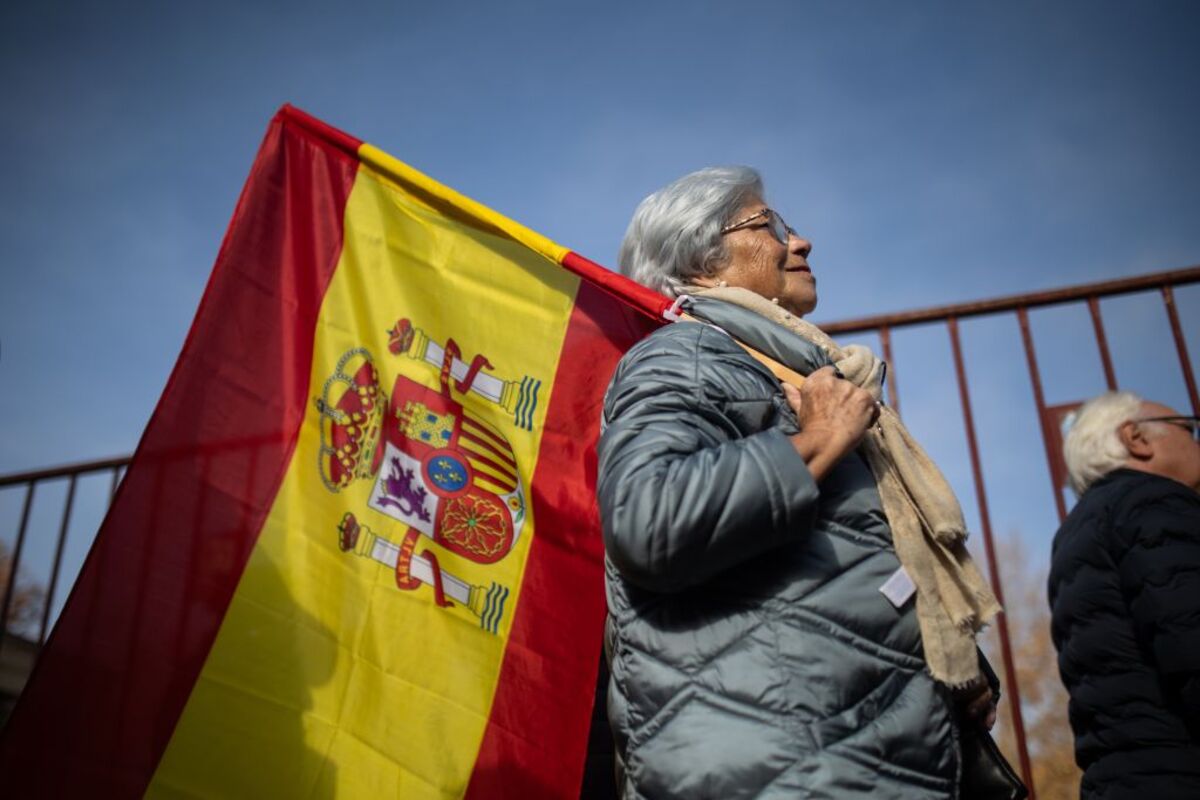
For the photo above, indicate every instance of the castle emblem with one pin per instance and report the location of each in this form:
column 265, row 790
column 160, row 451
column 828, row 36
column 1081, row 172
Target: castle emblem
column 448, row 477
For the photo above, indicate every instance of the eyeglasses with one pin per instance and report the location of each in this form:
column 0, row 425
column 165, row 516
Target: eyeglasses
column 779, row 229
column 1187, row 423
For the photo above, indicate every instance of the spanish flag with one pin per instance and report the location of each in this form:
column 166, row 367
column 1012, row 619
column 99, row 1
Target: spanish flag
column 357, row 551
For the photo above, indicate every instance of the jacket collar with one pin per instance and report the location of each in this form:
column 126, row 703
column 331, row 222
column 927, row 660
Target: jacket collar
column 763, row 335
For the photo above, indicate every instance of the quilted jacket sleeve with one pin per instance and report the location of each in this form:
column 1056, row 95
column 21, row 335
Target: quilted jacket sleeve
column 1160, row 576
column 683, row 492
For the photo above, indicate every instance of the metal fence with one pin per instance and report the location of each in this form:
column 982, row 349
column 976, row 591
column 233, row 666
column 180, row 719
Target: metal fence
column 71, row 473
column 1050, row 418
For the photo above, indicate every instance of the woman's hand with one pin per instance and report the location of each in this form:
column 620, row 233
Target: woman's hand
column 979, row 705
column 834, row 415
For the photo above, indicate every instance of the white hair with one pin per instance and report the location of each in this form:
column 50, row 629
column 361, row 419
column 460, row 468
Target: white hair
column 675, row 234
column 1093, row 446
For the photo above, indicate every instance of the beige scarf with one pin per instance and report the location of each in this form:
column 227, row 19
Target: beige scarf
column 953, row 600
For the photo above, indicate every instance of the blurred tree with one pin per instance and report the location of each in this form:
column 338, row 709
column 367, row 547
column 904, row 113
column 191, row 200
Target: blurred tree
column 1043, row 698
column 20, row 646
column 28, row 597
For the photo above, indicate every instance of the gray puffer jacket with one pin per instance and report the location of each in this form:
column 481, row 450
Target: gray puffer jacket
column 752, row 652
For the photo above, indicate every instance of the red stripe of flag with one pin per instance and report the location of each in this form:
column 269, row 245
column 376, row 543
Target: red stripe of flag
column 200, row 485
column 622, row 289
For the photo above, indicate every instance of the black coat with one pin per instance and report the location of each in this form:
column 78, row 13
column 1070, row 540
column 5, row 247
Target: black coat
column 1125, row 617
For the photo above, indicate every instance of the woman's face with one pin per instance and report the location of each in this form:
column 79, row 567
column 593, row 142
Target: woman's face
column 761, row 263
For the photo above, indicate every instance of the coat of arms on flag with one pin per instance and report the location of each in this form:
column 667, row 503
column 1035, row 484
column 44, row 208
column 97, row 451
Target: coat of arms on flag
column 437, row 470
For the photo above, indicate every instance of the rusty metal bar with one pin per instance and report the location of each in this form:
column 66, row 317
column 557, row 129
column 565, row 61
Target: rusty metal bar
column 116, row 481
column 15, row 563
column 58, row 552
column 63, row 471
column 1035, row 378
column 885, row 340
column 1013, row 689
column 1181, row 348
column 1013, row 302
column 1110, row 376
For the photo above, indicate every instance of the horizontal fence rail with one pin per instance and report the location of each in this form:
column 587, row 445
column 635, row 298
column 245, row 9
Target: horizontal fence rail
column 1050, row 418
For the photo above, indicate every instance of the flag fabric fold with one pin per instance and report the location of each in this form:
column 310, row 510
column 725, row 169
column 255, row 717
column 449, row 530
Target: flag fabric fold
column 357, row 551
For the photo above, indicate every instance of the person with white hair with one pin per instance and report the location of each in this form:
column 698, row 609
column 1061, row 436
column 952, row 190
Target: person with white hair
column 1124, row 590
column 763, row 637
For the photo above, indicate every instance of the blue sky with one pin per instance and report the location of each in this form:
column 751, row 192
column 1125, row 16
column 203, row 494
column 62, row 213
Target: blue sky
column 933, row 152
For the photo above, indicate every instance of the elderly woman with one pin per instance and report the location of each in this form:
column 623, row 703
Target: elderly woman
column 763, row 638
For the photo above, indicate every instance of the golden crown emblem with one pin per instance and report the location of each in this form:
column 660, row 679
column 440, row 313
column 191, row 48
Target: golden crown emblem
column 351, row 407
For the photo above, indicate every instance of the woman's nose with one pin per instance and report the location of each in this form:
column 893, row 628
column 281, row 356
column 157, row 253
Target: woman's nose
column 798, row 244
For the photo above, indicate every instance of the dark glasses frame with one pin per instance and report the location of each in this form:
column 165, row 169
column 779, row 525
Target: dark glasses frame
column 1188, row 423
column 779, row 229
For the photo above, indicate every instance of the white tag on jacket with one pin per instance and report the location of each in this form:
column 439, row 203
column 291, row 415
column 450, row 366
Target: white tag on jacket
column 898, row 588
